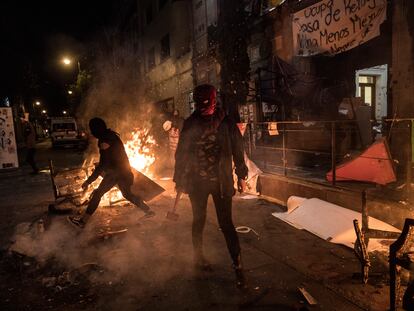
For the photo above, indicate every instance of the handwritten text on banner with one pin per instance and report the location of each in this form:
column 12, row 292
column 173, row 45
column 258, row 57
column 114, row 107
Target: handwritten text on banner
column 335, row 26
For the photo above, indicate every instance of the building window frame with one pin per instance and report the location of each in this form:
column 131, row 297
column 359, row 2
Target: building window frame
column 199, row 4
column 166, row 105
column 165, row 47
column 151, row 59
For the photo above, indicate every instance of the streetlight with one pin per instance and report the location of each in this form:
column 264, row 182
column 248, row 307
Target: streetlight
column 66, row 61
column 64, row 112
column 44, row 111
column 70, row 92
column 34, row 105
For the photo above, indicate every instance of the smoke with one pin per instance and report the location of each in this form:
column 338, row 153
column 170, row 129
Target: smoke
column 117, row 94
column 117, row 90
column 141, row 255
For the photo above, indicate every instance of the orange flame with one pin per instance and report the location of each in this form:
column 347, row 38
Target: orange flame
column 139, row 150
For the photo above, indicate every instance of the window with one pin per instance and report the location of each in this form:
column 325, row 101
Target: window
column 198, row 5
column 148, row 14
column 151, row 59
column 366, row 79
column 161, row 3
column 165, row 47
column 166, row 105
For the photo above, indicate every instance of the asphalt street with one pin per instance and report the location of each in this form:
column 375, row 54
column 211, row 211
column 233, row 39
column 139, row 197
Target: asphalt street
column 149, row 267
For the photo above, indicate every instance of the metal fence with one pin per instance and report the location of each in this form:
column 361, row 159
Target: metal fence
column 310, row 149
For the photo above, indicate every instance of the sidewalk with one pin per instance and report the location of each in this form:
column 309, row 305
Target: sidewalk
column 327, row 266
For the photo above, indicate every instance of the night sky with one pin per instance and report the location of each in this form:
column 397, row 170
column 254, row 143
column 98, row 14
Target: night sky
column 34, row 37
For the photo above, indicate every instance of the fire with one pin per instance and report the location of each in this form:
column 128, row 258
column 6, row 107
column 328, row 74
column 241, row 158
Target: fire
column 139, row 150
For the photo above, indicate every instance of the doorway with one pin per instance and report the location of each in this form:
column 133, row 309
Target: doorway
column 371, row 86
column 366, row 91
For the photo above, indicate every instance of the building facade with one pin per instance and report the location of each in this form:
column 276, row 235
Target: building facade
column 205, row 18
column 369, row 57
column 165, row 46
column 178, row 46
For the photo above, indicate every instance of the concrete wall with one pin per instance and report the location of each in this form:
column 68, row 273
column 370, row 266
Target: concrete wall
column 402, row 81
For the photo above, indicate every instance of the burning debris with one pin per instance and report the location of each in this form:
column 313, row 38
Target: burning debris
column 115, row 169
column 140, row 150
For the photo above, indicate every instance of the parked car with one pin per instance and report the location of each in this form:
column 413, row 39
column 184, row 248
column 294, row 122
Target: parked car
column 65, row 132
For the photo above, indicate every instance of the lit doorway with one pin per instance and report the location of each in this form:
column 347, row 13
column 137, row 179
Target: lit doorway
column 366, row 91
column 371, row 86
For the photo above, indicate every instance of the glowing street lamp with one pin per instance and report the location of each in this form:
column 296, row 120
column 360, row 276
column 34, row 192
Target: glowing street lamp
column 44, row 111
column 64, row 112
column 70, row 92
column 66, row 61
column 37, row 103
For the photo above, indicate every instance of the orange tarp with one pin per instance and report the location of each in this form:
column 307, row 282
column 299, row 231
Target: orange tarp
column 373, row 165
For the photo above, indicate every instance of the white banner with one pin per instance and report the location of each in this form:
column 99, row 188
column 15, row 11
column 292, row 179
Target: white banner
column 334, row 26
column 8, row 149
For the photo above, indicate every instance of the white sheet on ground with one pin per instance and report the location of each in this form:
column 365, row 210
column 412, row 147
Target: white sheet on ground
column 332, row 222
column 294, row 202
column 248, row 197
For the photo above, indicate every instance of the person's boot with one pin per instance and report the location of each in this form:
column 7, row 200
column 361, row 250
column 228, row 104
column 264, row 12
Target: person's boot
column 201, row 264
column 238, row 270
column 148, row 214
column 79, row 222
column 76, row 221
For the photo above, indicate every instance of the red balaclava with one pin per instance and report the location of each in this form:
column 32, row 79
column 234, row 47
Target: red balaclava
column 205, row 98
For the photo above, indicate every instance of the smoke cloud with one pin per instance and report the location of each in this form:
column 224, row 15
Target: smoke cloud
column 143, row 254
column 117, row 90
column 117, row 94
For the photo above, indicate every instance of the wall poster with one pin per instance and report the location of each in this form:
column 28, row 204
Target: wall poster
column 8, row 148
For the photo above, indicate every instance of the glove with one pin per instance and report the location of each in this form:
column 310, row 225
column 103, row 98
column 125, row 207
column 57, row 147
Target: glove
column 241, row 185
column 85, row 185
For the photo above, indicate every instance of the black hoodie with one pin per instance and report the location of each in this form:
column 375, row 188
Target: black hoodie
column 113, row 158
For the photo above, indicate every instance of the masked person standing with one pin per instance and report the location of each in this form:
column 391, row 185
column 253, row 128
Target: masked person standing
column 115, row 168
column 209, row 143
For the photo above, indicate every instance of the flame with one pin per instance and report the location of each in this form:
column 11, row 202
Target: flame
column 139, row 150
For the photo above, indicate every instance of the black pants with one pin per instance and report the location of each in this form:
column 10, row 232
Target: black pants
column 30, row 155
column 223, row 207
column 123, row 183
